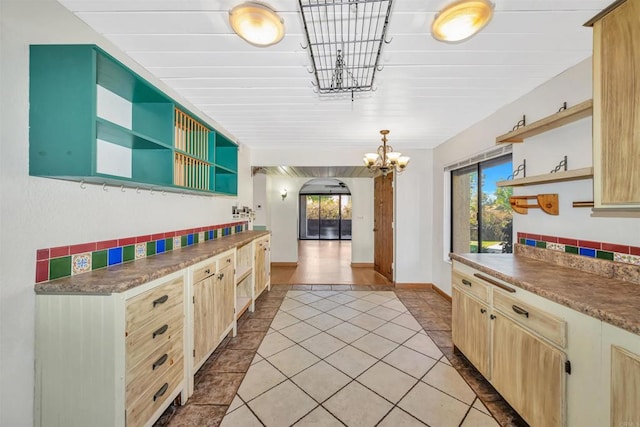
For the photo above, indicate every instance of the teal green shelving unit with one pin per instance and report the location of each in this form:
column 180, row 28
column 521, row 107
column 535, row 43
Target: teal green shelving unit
column 93, row 119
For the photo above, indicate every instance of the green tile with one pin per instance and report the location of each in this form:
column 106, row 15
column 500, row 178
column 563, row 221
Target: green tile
column 604, row 255
column 151, row 248
column 196, row 238
column 206, row 236
column 128, row 253
column 168, row 244
column 183, row 241
column 571, row 249
column 542, row 245
column 215, row 233
column 59, row 267
column 98, row 259
column 523, row 241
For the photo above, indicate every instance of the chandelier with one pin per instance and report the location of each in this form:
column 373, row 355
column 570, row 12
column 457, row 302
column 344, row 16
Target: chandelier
column 386, row 160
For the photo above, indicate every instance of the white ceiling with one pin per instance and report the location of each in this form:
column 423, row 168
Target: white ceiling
column 426, row 93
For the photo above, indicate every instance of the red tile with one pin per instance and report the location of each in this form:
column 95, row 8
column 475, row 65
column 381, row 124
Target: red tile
column 534, row 236
column 157, row 236
column 634, row 250
column 551, row 239
column 59, row 251
column 612, row 247
column 84, row 247
column 42, row 254
column 564, row 241
column 589, row 244
column 106, row 244
column 127, row 241
column 170, row 234
column 143, row 239
column 42, row 271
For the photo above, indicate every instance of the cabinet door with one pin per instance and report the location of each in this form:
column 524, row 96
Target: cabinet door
column 224, row 302
column 470, row 330
column 625, row 387
column 260, row 268
column 528, row 373
column 203, row 321
column 616, row 115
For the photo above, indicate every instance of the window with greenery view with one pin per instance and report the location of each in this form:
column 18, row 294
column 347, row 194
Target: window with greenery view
column 481, row 218
column 326, row 217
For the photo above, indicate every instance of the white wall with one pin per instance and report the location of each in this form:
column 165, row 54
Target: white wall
column 39, row 213
column 542, row 153
column 283, row 216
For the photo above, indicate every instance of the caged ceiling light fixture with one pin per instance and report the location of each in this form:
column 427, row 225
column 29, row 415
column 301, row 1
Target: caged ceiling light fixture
column 461, row 19
column 386, row 160
column 257, row 23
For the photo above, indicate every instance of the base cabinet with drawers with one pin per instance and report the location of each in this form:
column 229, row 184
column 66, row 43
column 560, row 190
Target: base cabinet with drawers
column 542, row 357
column 262, row 263
column 110, row 360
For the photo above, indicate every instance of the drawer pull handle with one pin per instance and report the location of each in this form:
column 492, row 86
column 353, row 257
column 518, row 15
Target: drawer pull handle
column 161, row 392
column 220, row 276
column 483, row 311
column 520, row 311
column 160, row 300
column 493, row 316
column 159, row 362
column 466, row 282
column 161, row 331
column 229, row 261
column 494, row 283
column 207, row 271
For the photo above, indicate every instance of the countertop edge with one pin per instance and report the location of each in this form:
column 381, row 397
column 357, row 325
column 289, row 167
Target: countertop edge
column 604, row 316
column 65, row 286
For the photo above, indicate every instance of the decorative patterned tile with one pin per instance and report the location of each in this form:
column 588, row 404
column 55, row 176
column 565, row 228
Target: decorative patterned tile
column 141, row 250
column 556, row 247
column 177, row 243
column 80, row 263
column 626, row 258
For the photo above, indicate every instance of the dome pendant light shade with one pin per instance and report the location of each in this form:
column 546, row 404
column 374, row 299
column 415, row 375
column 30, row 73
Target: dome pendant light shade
column 257, row 24
column 460, row 20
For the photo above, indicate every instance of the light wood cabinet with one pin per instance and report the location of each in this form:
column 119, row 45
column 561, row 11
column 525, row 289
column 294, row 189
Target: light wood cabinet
column 110, row 359
column 203, row 312
column 616, row 106
column 529, row 373
column 470, row 330
column 224, row 302
column 262, row 264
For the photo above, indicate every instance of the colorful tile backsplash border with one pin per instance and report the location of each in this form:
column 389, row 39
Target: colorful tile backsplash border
column 64, row 261
column 589, row 248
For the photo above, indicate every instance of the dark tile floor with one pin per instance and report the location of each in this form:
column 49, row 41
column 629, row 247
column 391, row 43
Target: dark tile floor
column 218, row 380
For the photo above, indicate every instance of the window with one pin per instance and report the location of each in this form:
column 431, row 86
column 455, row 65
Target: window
column 481, row 219
column 325, row 217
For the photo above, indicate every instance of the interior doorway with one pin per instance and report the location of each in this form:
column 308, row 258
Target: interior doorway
column 383, row 225
column 325, row 210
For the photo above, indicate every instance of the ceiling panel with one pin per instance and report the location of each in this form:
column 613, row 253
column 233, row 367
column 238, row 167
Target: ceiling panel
column 426, row 91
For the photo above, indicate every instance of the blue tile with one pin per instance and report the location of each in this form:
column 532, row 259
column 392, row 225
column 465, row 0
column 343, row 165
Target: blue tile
column 210, row 234
column 530, row 242
column 189, row 239
column 160, row 246
column 588, row 252
column 114, row 256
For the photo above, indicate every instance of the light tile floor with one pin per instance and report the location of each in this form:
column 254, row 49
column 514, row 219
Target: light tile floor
column 354, row 358
column 389, row 355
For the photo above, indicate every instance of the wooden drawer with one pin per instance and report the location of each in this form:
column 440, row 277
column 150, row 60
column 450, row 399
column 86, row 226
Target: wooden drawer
column 139, row 412
column 154, row 303
column 151, row 336
column 141, row 376
column 226, row 261
column 471, row 285
column 205, row 271
column 545, row 324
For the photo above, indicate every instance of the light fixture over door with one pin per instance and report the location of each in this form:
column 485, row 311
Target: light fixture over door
column 385, row 159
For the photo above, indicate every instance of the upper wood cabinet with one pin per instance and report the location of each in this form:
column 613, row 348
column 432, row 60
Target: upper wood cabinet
column 616, row 105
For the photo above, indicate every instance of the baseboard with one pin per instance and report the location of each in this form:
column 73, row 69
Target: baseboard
column 362, row 265
column 442, row 293
column 284, row 264
column 414, row 285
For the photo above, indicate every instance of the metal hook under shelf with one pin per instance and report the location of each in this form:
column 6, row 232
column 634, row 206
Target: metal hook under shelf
column 104, row 187
column 122, row 188
column 82, row 185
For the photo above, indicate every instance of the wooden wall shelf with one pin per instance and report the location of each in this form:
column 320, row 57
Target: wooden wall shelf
column 547, row 202
column 572, row 175
column 572, row 114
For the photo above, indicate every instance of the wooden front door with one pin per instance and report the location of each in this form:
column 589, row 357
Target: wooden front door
column 383, row 225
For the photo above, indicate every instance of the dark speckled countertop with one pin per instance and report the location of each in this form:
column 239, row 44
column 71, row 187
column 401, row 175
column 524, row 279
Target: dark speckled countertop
column 610, row 300
column 122, row 277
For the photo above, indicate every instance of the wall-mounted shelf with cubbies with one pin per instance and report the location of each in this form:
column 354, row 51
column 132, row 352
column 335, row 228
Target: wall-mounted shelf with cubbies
column 572, row 175
column 92, row 119
column 561, row 118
